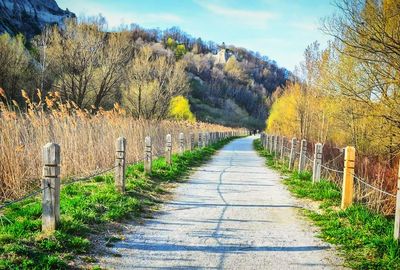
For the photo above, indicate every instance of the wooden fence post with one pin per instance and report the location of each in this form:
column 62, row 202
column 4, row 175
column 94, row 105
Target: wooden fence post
column 271, row 143
column 51, row 187
column 262, row 138
column 181, row 143
column 397, row 215
column 148, row 158
column 191, row 141
column 265, row 141
column 282, row 149
column 348, row 177
column 200, row 142
column 316, row 175
column 168, row 149
column 120, row 152
column 303, row 155
column 277, row 138
column 292, row 153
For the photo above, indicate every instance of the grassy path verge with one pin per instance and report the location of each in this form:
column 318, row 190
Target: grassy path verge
column 365, row 238
column 85, row 207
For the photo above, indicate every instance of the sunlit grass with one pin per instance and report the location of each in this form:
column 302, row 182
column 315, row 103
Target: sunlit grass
column 84, row 206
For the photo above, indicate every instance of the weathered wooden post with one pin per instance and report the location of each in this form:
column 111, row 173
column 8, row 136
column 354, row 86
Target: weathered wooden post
column 316, row 175
column 303, row 155
column 148, row 158
column 181, row 143
column 271, row 143
column 348, row 177
column 277, row 139
column 282, row 148
column 292, row 158
column 168, row 149
column 200, row 142
column 397, row 215
column 191, row 141
column 120, row 152
column 262, row 139
column 51, row 187
column 266, row 138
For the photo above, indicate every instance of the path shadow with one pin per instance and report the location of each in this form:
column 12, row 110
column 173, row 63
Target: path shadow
column 220, row 249
column 233, row 205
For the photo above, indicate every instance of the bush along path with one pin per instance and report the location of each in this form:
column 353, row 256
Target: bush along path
column 85, row 208
column 365, row 238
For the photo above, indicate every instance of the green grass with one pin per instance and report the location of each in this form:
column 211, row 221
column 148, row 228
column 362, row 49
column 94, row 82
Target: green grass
column 365, row 238
column 84, row 208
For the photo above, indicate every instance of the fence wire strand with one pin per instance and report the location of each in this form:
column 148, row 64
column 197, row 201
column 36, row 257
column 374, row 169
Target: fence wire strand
column 76, row 180
column 310, row 159
column 373, row 187
column 330, row 169
column 334, row 159
column 88, row 177
column 32, row 194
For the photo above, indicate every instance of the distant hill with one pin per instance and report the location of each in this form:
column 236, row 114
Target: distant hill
column 30, row 16
column 229, row 85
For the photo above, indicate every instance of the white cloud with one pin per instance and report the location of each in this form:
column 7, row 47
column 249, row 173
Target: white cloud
column 116, row 18
column 306, row 26
column 255, row 18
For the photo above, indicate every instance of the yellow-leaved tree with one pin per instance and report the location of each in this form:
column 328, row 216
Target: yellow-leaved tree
column 180, row 109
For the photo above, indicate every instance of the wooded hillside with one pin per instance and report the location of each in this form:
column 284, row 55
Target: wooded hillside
column 141, row 69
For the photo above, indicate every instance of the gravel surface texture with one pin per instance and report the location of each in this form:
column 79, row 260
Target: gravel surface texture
column 233, row 213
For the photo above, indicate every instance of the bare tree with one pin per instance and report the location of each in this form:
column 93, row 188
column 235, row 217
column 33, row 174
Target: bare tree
column 88, row 62
column 153, row 81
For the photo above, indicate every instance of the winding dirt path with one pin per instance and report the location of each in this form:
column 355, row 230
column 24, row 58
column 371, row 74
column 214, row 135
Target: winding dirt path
column 233, row 213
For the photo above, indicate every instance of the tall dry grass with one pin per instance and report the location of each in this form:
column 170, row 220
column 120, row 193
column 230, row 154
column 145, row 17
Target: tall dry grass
column 377, row 171
column 87, row 140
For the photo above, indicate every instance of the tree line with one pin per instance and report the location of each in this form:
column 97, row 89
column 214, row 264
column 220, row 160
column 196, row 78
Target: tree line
column 349, row 92
column 141, row 69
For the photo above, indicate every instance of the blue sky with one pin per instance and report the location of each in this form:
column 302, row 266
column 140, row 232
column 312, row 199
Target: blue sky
column 280, row 29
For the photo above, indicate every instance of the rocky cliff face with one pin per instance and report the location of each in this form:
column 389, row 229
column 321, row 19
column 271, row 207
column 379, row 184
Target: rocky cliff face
column 30, row 16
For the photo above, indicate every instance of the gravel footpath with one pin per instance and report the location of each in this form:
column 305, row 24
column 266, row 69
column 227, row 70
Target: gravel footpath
column 233, row 213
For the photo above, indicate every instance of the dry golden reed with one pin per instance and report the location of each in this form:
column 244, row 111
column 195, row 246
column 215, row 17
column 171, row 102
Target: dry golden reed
column 87, row 140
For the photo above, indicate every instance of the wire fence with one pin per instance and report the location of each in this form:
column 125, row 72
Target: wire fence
column 158, row 152
column 366, row 192
column 23, row 198
column 70, row 181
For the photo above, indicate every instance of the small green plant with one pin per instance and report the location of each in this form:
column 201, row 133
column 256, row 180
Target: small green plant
column 366, row 238
column 83, row 206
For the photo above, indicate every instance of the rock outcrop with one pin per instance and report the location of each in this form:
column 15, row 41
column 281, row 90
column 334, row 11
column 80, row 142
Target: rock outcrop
column 29, row 17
